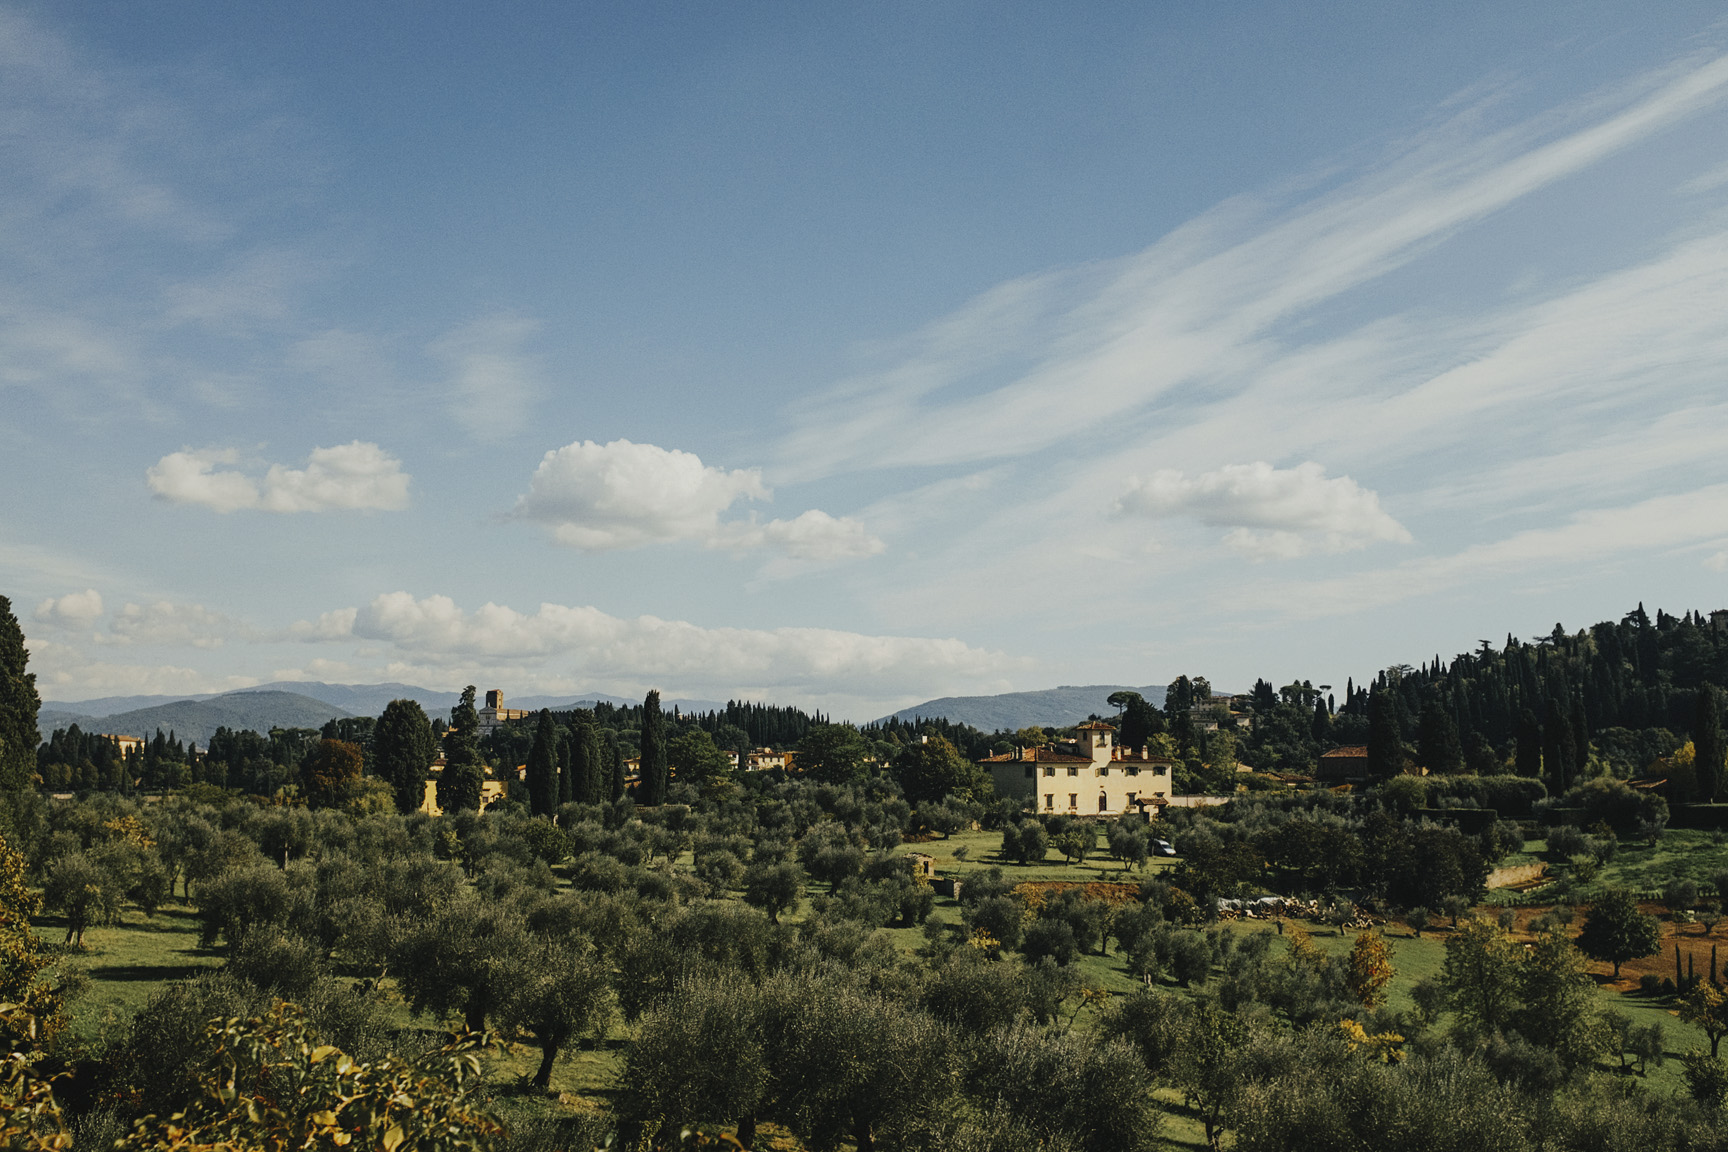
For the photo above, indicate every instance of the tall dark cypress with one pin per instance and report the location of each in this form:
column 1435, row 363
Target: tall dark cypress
column 543, row 768
column 594, row 779
column 1708, row 742
column 1385, row 740
column 1558, row 749
column 616, row 783
column 566, row 766
column 1529, row 761
column 651, row 776
column 19, row 705
column 1442, row 751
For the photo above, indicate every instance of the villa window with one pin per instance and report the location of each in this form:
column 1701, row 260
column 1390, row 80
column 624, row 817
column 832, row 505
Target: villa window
column 1103, row 802
column 1133, row 770
column 1049, row 801
column 1073, row 801
column 1073, row 771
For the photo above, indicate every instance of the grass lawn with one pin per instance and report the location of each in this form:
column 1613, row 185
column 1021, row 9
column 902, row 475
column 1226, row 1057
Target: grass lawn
column 128, row 963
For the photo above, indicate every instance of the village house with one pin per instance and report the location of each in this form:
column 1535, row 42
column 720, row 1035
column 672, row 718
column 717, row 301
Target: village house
column 1088, row 777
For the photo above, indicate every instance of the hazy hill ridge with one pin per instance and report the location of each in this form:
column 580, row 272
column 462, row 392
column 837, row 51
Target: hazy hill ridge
column 1051, row 707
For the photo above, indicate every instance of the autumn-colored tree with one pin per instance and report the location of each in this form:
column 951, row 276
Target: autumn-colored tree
column 1707, row 1008
column 334, row 768
column 270, row 1084
column 1370, row 969
column 21, row 955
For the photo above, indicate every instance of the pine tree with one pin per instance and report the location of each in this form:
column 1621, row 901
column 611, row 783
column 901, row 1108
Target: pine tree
column 543, row 768
column 403, row 751
column 651, row 777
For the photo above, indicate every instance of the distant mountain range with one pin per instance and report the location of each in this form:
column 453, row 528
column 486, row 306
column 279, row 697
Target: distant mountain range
column 308, row 704
column 1051, row 708
column 284, row 704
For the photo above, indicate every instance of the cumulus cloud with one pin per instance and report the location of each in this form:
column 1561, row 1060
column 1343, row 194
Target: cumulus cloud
column 435, row 630
column 600, row 497
column 164, row 622
column 73, row 610
column 347, row 477
column 1272, row 512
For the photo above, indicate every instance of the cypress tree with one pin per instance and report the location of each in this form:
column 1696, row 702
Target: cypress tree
column 1707, row 742
column 1529, row 761
column 616, row 781
column 402, row 751
column 1442, row 751
column 543, row 768
column 1385, row 741
column 651, row 777
column 19, row 705
column 594, row 776
column 1558, row 751
column 459, row 783
column 566, row 773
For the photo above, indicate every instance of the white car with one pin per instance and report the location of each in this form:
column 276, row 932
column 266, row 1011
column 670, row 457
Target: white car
column 1163, row 848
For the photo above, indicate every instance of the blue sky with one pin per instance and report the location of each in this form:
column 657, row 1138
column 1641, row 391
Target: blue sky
column 850, row 356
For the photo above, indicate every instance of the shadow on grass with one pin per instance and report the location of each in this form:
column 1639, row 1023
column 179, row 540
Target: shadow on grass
column 132, row 972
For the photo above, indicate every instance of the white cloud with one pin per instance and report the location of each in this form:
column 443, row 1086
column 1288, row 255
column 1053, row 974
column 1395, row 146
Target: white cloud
column 73, row 610
column 492, row 383
column 1717, row 562
column 601, row 497
column 347, row 477
column 1295, row 509
column 813, row 536
column 435, row 631
column 622, row 495
column 164, row 622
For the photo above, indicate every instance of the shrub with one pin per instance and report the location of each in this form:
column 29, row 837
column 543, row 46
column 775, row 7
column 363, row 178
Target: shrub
column 1052, row 938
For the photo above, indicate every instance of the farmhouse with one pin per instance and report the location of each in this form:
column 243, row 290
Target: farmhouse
column 1347, row 763
column 1088, row 777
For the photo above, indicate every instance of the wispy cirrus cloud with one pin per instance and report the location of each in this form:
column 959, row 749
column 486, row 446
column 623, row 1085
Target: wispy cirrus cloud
column 357, row 476
column 1089, row 346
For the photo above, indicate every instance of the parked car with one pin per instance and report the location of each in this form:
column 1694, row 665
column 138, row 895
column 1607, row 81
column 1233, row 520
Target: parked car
column 1163, row 848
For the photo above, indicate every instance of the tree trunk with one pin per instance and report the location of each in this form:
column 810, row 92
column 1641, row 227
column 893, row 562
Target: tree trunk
column 747, row 1131
column 862, row 1137
column 548, row 1053
column 476, row 1014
